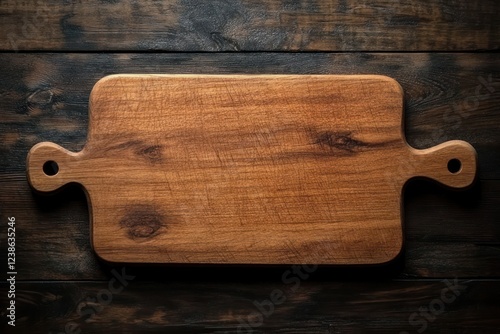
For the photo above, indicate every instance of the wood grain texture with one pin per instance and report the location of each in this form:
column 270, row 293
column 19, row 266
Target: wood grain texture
column 310, row 306
column 269, row 169
column 250, row 25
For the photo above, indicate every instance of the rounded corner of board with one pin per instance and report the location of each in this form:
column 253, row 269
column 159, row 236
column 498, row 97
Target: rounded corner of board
column 391, row 81
column 105, row 81
column 392, row 256
column 390, row 253
column 103, row 255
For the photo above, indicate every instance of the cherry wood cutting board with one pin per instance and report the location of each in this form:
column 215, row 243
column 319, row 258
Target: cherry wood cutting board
column 268, row 169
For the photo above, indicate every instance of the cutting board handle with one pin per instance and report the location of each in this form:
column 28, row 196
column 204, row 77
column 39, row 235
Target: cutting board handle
column 49, row 166
column 452, row 163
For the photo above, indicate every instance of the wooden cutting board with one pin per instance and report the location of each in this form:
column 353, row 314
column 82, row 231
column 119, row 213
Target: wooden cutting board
column 269, row 169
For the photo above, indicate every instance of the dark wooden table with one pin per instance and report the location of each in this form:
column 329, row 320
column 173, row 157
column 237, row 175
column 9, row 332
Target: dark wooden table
column 444, row 54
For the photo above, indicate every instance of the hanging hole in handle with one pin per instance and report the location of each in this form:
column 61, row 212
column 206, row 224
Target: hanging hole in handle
column 454, row 166
column 50, row 168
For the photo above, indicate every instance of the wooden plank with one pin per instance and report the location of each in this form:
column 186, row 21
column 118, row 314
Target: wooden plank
column 452, row 234
column 45, row 97
column 292, row 305
column 250, row 25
